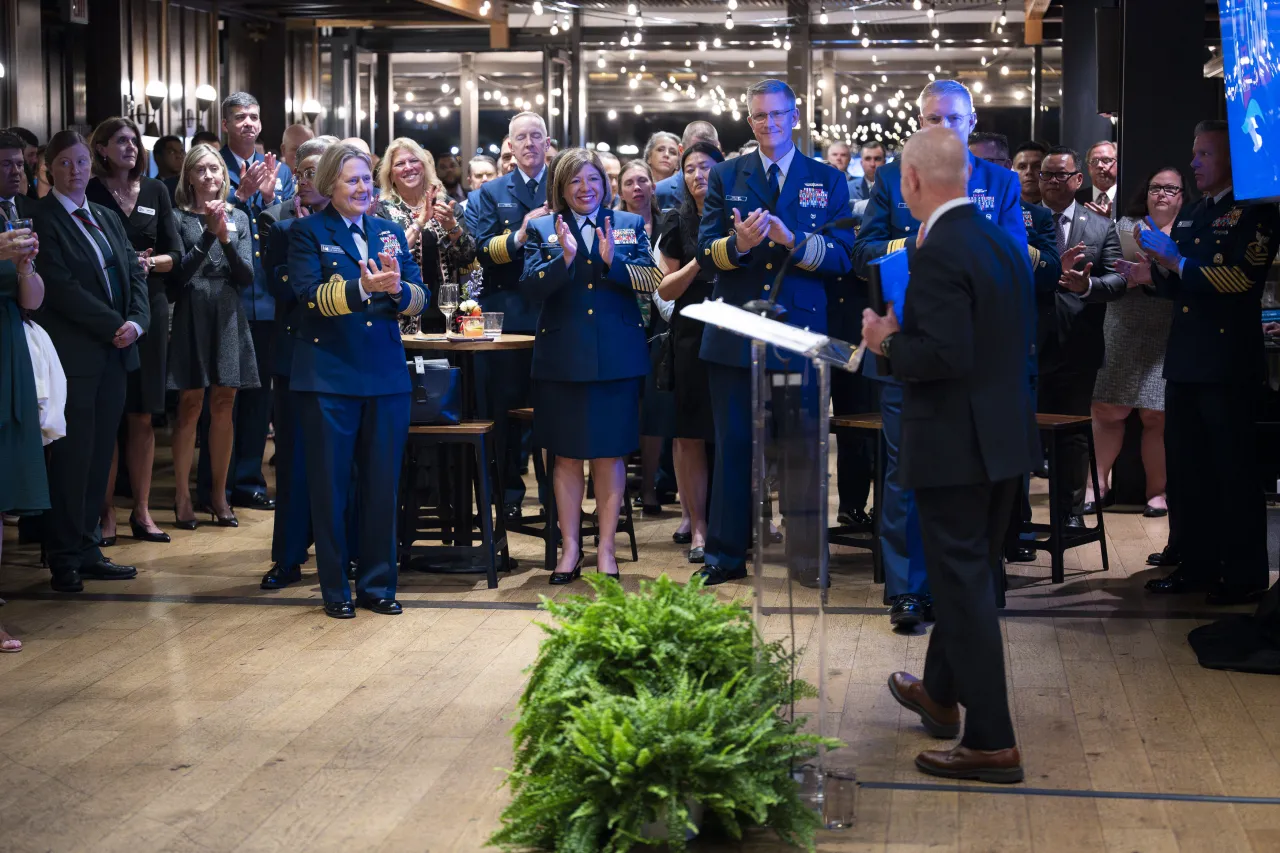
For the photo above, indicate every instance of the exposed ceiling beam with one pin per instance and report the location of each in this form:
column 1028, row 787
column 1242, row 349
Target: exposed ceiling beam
column 1033, row 26
column 495, row 16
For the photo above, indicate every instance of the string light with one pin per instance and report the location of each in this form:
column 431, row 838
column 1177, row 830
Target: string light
column 728, row 20
column 555, row 29
column 822, row 13
column 612, row 115
column 537, row 7
column 733, row 4
column 1004, row 17
column 917, row 5
column 929, row 14
column 856, row 30
column 866, row 42
column 716, row 42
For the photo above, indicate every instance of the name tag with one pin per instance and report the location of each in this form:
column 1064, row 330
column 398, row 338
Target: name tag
column 231, row 226
column 735, row 198
column 902, row 205
column 1186, row 223
column 331, row 249
column 148, row 211
column 506, row 204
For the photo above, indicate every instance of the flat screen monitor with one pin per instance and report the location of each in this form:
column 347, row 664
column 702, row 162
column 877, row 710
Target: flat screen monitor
column 1251, row 73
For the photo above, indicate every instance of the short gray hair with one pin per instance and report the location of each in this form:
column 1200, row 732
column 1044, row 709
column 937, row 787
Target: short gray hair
column 313, row 147
column 660, row 136
column 1211, row 125
column 771, row 87
column 943, row 88
column 527, row 114
column 238, row 99
column 331, row 163
column 700, row 131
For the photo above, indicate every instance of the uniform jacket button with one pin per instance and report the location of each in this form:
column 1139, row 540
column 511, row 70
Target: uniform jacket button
column 766, row 288
column 590, row 286
column 368, row 322
column 315, row 340
column 591, row 311
column 768, row 266
column 1185, row 309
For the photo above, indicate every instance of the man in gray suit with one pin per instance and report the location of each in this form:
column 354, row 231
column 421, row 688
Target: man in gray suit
column 1074, row 349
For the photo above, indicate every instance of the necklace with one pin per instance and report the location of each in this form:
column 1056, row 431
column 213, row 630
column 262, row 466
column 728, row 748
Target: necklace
column 125, row 199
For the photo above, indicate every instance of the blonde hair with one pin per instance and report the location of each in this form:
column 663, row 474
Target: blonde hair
column 185, row 195
column 386, row 183
column 331, row 163
column 567, row 164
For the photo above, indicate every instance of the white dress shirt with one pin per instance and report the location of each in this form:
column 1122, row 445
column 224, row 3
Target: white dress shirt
column 70, row 206
column 588, row 234
column 784, row 166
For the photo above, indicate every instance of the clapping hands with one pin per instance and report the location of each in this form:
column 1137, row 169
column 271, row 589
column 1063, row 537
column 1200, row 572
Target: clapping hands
column 604, row 238
column 215, row 220
column 259, row 176
column 383, row 277
column 752, row 230
column 568, row 243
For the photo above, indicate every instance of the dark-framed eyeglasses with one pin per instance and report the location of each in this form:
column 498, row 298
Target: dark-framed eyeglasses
column 773, row 116
column 1057, row 176
column 1166, row 189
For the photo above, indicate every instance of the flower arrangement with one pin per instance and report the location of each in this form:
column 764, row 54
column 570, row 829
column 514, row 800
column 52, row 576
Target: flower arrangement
column 469, row 299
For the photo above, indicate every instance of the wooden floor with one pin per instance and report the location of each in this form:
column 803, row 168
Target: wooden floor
column 188, row 711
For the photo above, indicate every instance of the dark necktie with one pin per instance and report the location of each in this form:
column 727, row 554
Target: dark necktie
column 775, row 180
column 533, row 188
column 95, row 233
column 1061, row 224
column 10, row 212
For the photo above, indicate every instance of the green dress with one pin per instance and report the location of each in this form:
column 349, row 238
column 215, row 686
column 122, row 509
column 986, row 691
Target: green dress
column 24, row 487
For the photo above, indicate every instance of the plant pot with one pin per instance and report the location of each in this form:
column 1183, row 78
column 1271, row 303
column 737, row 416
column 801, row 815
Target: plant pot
column 658, row 829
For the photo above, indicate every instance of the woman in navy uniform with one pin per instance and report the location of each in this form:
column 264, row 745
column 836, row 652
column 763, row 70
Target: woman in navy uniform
column 353, row 275
column 585, row 264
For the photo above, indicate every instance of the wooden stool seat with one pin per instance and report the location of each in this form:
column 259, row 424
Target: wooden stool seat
column 1063, row 422
column 458, row 481
column 870, row 421
column 520, row 414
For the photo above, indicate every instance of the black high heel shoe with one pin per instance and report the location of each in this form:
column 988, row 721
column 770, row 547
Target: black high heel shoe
column 184, row 525
column 562, row 578
column 142, row 533
column 224, row 520
column 615, row 575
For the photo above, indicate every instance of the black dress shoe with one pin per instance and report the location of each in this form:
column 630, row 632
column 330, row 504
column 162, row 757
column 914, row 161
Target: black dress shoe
column 1177, row 582
column 1074, row 522
column 1043, row 471
column 652, row 510
column 1150, row 511
column 928, row 609
column 385, row 606
column 682, row 538
column 339, row 609
column 224, row 520
column 1019, row 554
column 1091, row 507
column 278, row 577
column 906, row 611
column 853, row 518
column 106, row 541
column 108, row 571
column 191, row 524
column 66, row 582
column 145, row 535
column 1165, row 558
column 257, row 500
column 713, row 575
column 697, row 555
column 512, row 513
column 562, row 578
column 353, row 568
column 1225, row 596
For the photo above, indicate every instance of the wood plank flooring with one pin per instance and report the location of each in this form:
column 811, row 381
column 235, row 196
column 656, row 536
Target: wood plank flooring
column 188, row 711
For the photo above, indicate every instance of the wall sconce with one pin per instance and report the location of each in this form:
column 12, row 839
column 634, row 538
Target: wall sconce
column 311, row 109
column 156, row 93
column 205, row 96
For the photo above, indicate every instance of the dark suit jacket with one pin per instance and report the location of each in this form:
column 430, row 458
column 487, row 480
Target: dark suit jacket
column 1073, row 322
column 76, row 312
column 25, row 205
column 962, row 355
column 273, row 225
column 1084, row 195
column 1046, row 266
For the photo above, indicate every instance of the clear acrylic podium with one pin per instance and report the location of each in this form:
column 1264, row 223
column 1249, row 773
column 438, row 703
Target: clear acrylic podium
column 790, row 412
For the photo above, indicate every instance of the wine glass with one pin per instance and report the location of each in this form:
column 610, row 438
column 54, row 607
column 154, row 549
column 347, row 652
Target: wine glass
column 448, row 304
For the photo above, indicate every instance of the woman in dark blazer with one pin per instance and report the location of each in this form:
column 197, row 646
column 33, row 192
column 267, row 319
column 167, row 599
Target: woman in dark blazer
column 95, row 309
column 585, row 264
column 354, row 275
column 120, row 185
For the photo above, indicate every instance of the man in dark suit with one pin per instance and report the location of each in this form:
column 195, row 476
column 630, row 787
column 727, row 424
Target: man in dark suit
column 257, row 182
column 499, row 217
column 1074, row 348
column 13, row 204
column 1100, row 195
column 1213, row 266
column 759, row 209
column 967, row 437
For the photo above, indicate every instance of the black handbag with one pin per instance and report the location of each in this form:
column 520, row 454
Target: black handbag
column 435, row 398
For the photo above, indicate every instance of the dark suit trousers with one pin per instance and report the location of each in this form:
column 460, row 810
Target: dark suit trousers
column 79, row 465
column 369, row 433
column 1216, row 499
column 853, row 394
column 291, row 534
column 963, row 529
column 1065, row 392
column 503, row 383
column 792, row 438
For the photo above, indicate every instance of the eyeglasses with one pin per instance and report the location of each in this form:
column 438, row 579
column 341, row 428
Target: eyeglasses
column 950, row 120
column 772, row 117
column 1102, row 161
column 308, row 174
column 1167, row 189
column 1057, row 176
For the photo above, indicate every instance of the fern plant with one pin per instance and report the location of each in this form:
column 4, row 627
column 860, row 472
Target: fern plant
column 639, row 704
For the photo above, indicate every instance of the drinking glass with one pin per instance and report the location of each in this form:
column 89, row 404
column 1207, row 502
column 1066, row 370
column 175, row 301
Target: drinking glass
column 448, row 304
column 493, row 323
column 19, row 224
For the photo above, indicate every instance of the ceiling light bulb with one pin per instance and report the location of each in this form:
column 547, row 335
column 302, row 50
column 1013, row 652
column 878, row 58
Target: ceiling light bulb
column 716, row 42
column 1018, row 94
column 728, row 20
column 639, row 21
column 866, row 42
column 1004, row 71
column 751, row 63
column 702, row 45
column 822, row 18
column 639, row 109
column 408, row 96
column 786, row 45
column 917, row 5
column 934, row 32
column 600, row 63
column 733, row 4
column 555, row 30
column 537, row 7
column 856, row 30
column 631, row 8
column 986, row 99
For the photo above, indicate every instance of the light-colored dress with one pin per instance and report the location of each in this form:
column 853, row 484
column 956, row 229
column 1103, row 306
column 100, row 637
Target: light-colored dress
column 1136, row 331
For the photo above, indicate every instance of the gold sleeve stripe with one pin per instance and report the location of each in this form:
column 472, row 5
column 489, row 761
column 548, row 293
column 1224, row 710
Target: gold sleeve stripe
column 497, row 249
column 332, row 299
column 1217, row 276
column 1034, row 254
column 720, row 254
column 324, row 299
column 1237, row 275
column 644, row 279
column 1211, row 275
column 895, row 245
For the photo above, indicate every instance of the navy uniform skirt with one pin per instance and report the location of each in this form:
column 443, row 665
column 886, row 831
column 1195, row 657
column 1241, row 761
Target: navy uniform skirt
column 587, row 420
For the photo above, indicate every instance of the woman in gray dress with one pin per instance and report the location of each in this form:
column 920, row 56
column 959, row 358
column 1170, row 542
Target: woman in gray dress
column 210, row 347
column 1136, row 331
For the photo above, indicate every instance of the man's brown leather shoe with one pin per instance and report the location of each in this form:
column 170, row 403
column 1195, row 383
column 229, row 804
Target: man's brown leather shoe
column 939, row 720
column 960, row 762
